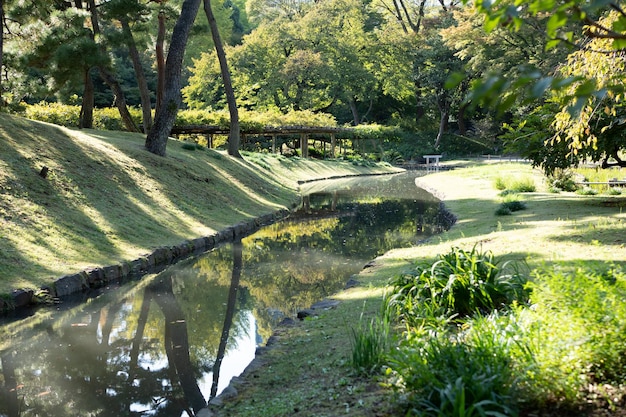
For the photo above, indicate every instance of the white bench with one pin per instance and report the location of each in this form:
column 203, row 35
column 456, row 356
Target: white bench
column 435, row 163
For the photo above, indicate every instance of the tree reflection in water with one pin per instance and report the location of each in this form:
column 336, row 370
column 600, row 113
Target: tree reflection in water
column 162, row 346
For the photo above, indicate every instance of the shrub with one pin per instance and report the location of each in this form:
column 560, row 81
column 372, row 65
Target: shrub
column 55, row 113
column 503, row 210
column 587, row 191
column 562, row 179
column 591, row 301
column 457, row 284
column 69, row 115
column 500, row 183
column 514, row 205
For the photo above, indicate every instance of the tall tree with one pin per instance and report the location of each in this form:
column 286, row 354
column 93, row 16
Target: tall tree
column 234, row 135
column 2, row 103
column 107, row 76
column 410, row 17
column 156, row 140
column 125, row 11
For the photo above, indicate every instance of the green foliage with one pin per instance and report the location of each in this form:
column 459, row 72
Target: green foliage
column 256, row 121
column 584, row 312
column 503, row 210
column 562, row 179
column 457, row 285
column 587, row 191
column 370, row 344
column 499, row 183
column 68, row 115
column 515, row 185
column 467, row 374
column 571, row 335
column 514, row 204
column 509, row 206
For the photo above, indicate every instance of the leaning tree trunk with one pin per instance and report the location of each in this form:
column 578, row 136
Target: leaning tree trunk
column 356, row 119
column 156, row 140
column 144, row 91
column 443, row 125
column 119, row 99
column 234, row 136
column 107, row 77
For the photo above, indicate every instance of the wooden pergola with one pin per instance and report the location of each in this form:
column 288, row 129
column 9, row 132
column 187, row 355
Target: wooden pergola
column 304, row 133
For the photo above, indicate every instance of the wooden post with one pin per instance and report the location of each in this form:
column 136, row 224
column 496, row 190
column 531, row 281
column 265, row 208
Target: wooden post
column 333, row 143
column 304, row 145
column 274, row 143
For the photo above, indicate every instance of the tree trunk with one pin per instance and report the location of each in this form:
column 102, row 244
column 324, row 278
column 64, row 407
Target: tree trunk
column 443, row 126
column 160, row 61
column 144, row 91
column 108, row 78
column 86, row 108
column 461, row 119
column 234, row 136
column 119, row 99
column 156, row 140
column 355, row 112
column 230, row 313
column 2, row 103
column 176, row 339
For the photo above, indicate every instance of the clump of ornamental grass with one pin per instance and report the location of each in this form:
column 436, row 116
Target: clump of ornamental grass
column 371, row 342
column 458, row 284
column 523, row 184
column 449, row 373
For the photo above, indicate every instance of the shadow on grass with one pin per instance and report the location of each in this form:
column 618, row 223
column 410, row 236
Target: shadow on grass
column 105, row 200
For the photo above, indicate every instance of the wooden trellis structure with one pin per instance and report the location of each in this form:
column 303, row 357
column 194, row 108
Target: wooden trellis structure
column 335, row 135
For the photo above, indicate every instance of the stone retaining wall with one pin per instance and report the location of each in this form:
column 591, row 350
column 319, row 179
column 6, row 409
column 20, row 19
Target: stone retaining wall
column 152, row 262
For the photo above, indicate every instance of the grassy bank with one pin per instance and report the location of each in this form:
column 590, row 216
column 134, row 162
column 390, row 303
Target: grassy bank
column 564, row 232
column 105, row 199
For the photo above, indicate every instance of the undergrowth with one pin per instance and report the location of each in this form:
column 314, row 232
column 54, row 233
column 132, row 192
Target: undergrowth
column 481, row 342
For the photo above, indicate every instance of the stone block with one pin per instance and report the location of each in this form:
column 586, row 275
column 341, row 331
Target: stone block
column 70, row 284
column 22, row 298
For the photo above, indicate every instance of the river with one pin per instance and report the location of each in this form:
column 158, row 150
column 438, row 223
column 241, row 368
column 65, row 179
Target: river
column 163, row 345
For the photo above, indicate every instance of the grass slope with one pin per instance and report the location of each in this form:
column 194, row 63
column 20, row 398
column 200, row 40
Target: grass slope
column 106, row 199
column 307, row 372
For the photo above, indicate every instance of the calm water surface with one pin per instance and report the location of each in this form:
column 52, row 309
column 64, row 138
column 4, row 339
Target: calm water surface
column 166, row 344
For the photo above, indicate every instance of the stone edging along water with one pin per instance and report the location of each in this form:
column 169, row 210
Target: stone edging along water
column 152, row 262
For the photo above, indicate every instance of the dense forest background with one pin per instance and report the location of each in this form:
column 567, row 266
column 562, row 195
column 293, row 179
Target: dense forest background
column 439, row 75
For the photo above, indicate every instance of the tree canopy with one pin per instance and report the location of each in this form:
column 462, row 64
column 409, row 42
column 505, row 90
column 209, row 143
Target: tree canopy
column 479, row 73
